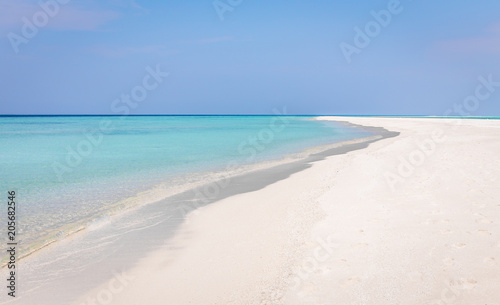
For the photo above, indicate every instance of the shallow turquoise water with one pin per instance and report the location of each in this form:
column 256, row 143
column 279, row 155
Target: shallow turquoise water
column 66, row 168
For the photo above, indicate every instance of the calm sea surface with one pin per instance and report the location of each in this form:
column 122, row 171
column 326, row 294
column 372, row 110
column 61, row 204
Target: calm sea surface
column 69, row 168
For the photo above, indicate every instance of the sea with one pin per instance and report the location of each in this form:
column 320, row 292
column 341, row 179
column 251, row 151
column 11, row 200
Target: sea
column 69, row 171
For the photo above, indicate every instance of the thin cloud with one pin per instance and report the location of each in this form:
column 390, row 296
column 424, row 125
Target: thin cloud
column 495, row 29
column 127, row 51
column 11, row 12
column 487, row 43
column 72, row 19
column 213, row 40
column 135, row 5
column 68, row 17
column 127, row 4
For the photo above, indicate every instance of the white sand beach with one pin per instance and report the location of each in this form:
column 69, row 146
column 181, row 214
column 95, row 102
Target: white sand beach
column 413, row 219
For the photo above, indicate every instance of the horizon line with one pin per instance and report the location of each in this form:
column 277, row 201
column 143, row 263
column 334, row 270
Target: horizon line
column 343, row 115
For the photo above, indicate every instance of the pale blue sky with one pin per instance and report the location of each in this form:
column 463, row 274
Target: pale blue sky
column 263, row 55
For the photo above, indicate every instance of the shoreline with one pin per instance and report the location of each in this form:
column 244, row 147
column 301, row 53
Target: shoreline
column 264, row 179
column 334, row 233
column 430, row 238
column 164, row 191
column 89, row 238
column 160, row 191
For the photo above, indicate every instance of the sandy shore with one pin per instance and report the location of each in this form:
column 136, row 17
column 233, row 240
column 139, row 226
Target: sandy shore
column 412, row 219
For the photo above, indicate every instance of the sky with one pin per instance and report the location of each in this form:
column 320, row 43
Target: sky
column 366, row 57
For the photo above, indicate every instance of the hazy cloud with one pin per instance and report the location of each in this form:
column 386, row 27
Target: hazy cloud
column 126, row 51
column 488, row 42
column 69, row 17
column 213, row 40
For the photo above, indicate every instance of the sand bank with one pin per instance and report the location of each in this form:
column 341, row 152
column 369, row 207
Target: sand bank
column 412, row 219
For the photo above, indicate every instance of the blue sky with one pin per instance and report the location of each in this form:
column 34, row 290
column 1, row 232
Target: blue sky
column 262, row 55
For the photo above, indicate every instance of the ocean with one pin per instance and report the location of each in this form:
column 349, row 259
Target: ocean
column 68, row 171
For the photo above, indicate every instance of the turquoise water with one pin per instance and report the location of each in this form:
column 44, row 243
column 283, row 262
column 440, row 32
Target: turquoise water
column 68, row 168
